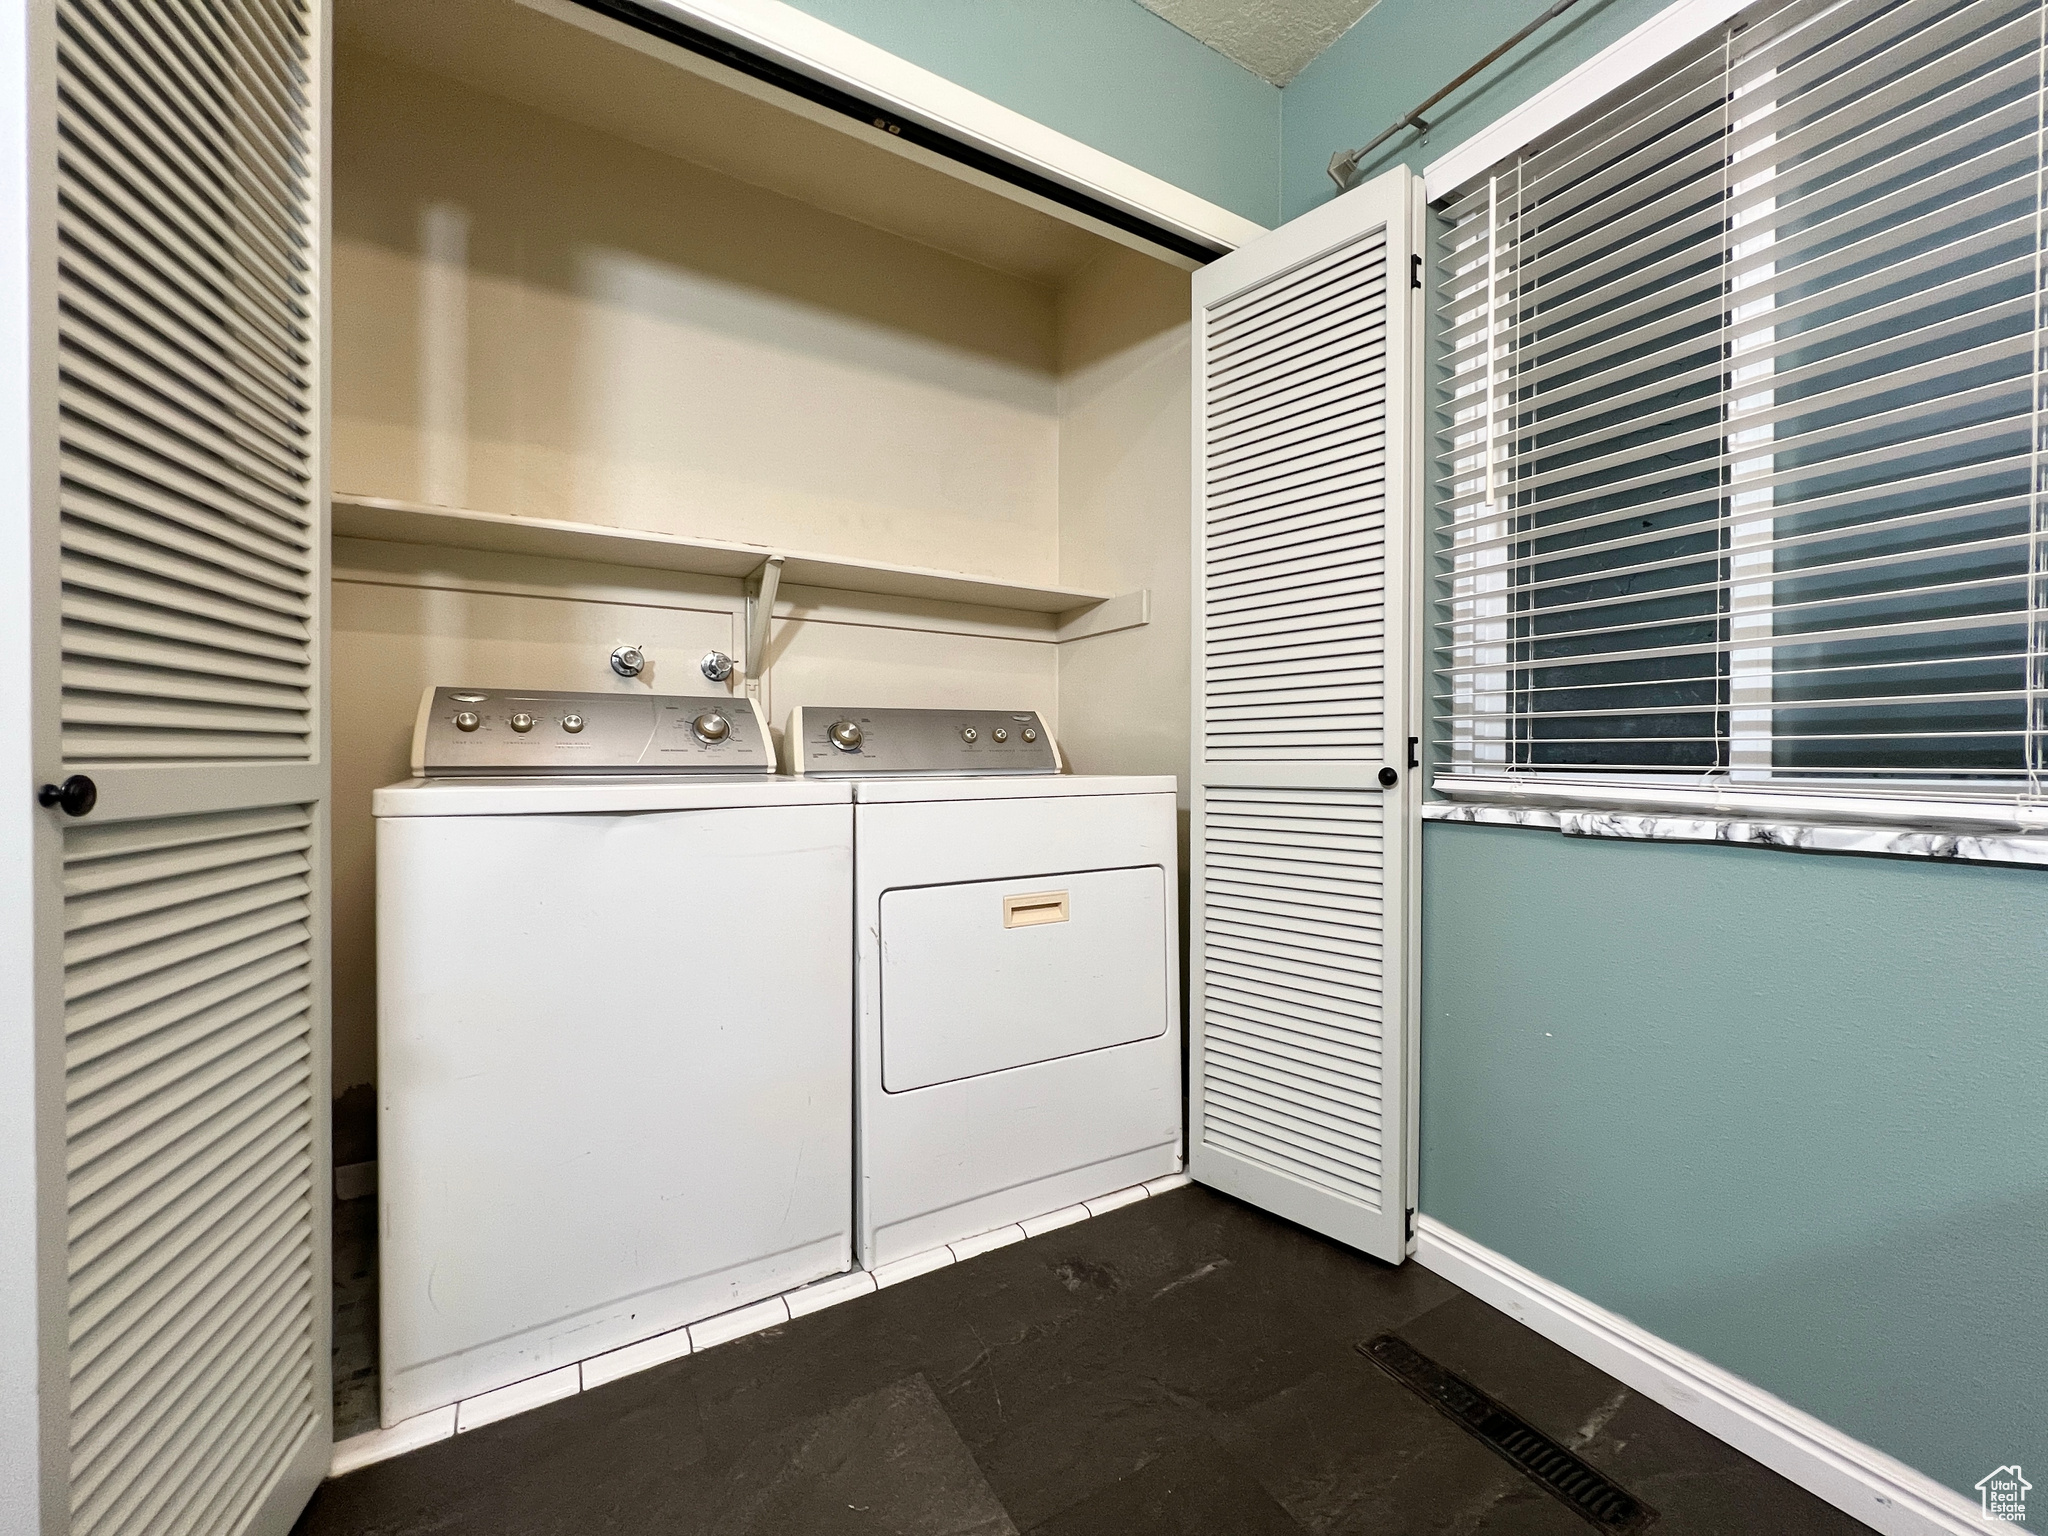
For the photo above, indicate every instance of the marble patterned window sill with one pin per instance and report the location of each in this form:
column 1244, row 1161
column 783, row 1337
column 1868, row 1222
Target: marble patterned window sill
column 1804, row 836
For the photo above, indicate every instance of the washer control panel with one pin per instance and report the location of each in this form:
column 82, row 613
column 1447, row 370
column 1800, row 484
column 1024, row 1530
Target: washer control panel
column 488, row 731
column 822, row 740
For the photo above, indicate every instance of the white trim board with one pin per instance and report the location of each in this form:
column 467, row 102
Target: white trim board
column 1671, row 29
column 798, row 41
column 1885, row 1494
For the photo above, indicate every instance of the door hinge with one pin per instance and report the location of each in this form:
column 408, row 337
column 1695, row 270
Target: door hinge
column 1414, row 271
column 1414, row 759
column 1411, row 1223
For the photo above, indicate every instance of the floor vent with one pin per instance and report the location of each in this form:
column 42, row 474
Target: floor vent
column 1554, row 1468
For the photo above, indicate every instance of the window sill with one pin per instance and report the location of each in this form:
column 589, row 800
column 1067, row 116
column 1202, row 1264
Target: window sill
column 1833, row 835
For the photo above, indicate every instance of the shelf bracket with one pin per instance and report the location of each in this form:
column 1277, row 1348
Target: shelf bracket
column 757, row 627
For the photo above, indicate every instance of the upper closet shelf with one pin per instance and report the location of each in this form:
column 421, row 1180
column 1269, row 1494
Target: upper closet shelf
column 405, row 522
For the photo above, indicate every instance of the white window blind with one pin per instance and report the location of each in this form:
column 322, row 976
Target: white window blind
column 1741, row 419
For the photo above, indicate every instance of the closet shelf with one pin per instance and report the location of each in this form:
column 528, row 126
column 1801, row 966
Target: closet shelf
column 405, row 522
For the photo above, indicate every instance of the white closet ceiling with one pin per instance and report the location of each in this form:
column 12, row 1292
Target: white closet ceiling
column 1274, row 39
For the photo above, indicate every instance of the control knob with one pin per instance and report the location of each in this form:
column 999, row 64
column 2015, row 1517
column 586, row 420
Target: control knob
column 468, row 720
column 845, row 735
column 711, row 728
column 969, row 734
column 522, row 722
column 1030, row 734
column 572, row 723
column 999, row 734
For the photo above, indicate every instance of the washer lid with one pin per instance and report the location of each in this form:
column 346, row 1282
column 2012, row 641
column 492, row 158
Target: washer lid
column 896, row 791
column 572, row 796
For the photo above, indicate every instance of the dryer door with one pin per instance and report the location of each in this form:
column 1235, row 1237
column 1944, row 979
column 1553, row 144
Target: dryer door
column 996, row 974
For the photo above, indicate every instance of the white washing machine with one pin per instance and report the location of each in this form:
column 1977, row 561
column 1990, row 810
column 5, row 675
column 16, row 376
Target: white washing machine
column 615, row 1067
column 1017, row 997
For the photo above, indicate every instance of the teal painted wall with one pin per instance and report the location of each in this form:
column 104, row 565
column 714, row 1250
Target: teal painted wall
column 1789, row 1111
column 1404, row 50
column 1106, row 72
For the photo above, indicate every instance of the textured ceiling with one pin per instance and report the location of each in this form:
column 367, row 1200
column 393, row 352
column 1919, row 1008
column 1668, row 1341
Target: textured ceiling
column 1274, row 39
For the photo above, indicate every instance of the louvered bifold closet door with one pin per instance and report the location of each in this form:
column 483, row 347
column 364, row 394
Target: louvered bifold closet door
column 1304, row 853
column 189, row 1090
column 187, row 296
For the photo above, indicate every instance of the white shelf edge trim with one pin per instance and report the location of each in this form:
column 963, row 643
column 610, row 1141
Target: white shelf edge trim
column 1079, row 612
column 1619, row 62
column 815, row 48
column 552, row 1386
column 1864, row 1482
column 1131, row 610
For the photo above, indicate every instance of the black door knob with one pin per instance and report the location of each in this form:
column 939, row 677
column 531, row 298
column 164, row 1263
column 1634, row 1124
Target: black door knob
column 75, row 796
column 1389, row 778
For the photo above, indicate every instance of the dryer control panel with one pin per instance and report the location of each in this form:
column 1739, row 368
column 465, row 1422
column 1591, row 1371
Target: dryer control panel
column 822, row 741
column 496, row 731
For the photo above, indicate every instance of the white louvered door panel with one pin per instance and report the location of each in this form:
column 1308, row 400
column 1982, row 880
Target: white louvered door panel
column 189, row 1109
column 178, row 541
column 186, row 353
column 1301, row 1004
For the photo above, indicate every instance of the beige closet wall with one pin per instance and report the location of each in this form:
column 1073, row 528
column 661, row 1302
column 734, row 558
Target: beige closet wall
column 1125, row 446
column 533, row 317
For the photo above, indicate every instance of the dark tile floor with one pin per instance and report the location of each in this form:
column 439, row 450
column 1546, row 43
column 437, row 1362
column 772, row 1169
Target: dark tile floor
column 1183, row 1365
column 355, row 1270
column 355, row 1316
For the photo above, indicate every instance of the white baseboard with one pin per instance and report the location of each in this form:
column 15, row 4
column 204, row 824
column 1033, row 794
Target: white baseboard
column 1883, row 1493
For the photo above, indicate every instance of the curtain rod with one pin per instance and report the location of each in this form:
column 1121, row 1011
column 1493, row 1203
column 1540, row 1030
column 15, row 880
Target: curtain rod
column 1344, row 164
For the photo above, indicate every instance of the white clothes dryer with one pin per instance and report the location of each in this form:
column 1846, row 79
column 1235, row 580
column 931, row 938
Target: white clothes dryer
column 615, row 1067
column 1018, row 978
